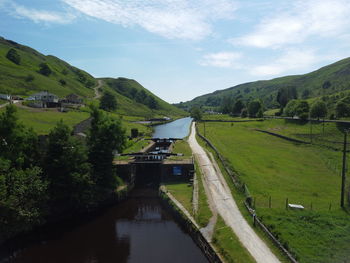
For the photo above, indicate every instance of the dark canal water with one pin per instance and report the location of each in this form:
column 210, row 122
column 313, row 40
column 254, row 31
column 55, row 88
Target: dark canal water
column 138, row 229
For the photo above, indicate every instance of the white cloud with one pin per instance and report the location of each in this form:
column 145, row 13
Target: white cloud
column 304, row 19
column 183, row 19
column 292, row 59
column 222, row 60
column 40, row 15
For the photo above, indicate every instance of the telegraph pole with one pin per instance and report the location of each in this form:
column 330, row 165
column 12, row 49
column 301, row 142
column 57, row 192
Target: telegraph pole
column 343, row 171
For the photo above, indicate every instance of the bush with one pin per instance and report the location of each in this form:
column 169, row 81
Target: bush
column 134, row 133
column 45, row 69
column 13, row 56
column 63, row 82
column 30, row 78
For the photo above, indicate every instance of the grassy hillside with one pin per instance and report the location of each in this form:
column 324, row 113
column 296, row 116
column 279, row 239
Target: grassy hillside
column 134, row 99
column 308, row 86
column 25, row 79
column 275, row 169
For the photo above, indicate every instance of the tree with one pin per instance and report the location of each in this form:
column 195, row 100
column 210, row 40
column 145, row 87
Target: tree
column 13, row 56
column 290, row 109
column 106, row 137
column 302, row 109
column 23, row 200
column 318, row 110
column 254, row 107
column 237, row 107
column 134, row 133
column 108, row 101
column 286, row 94
column 342, row 108
column 18, row 144
column 151, row 102
column 67, row 169
column 44, row 69
column 226, row 105
column 196, row 113
column 244, row 113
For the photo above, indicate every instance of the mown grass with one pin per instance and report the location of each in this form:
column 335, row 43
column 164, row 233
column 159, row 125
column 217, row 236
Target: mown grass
column 273, row 167
column 43, row 121
column 229, row 245
column 204, row 212
column 182, row 192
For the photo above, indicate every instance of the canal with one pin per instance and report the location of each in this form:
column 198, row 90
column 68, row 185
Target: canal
column 138, row 229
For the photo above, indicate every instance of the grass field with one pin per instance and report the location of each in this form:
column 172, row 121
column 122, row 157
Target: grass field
column 274, row 167
column 228, row 244
column 43, row 121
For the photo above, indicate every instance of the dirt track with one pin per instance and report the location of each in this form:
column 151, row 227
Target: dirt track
column 226, row 206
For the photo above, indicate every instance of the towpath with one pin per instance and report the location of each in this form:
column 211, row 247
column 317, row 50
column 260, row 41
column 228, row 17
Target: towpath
column 225, row 205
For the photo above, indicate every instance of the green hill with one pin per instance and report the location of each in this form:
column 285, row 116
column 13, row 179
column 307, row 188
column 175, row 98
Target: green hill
column 24, row 79
column 308, row 86
column 134, row 99
column 27, row 77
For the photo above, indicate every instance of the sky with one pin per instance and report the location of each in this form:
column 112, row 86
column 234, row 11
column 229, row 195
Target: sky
column 180, row 49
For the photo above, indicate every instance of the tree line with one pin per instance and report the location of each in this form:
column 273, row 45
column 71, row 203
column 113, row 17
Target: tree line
column 55, row 176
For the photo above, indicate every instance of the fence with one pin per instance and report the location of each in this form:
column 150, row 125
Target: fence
column 248, row 203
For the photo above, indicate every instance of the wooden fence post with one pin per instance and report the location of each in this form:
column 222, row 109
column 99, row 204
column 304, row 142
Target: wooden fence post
column 287, row 203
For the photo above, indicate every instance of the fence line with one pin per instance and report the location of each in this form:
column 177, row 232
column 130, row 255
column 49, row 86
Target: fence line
column 243, row 188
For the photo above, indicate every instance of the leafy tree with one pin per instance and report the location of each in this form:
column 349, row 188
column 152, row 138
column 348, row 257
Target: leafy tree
column 318, row 110
column 237, row 107
column 44, row 69
column 63, row 82
column 134, row 133
column 152, row 103
column 342, row 108
column 226, row 105
column 13, row 56
column 23, row 198
column 66, row 168
column 290, row 109
column 254, row 107
column 302, row 109
column 260, row 113
column 18, row 144
column 196, row 113
column 286, row 94
column 108, row 101
column 106, row 137
column 244, row 113
column 305, row 94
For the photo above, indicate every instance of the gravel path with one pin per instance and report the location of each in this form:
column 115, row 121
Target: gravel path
column 225, row 205
column 96, row 89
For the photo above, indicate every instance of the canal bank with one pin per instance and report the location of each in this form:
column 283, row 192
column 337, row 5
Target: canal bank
column 139, row 229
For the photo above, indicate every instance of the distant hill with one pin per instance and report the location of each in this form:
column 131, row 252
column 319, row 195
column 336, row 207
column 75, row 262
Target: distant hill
column 26, row 78
column 134, row 99
column 329, row 81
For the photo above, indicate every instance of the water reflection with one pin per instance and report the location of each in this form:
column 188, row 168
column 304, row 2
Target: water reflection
column 137, row 230
column 176, row 129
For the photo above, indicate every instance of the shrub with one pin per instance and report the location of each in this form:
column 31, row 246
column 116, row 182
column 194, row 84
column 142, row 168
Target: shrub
column 13, row 56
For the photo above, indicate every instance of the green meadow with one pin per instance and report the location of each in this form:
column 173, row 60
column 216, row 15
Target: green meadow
column 274, row 168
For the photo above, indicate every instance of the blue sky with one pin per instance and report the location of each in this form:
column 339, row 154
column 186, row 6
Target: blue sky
column 180, row 49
